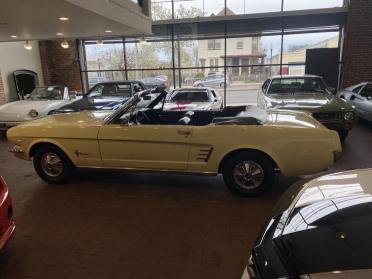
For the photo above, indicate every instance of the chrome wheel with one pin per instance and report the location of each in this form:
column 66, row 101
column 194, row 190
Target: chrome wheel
column 51, row 164
column 248, row 175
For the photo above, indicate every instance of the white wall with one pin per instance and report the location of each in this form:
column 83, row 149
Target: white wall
column 13, row 56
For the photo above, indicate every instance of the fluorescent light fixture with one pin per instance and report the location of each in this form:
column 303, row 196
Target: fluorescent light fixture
column 63, row 18
column 108, row 31
column 27, row 45
column 59, row 34
column 14, row 36
column 65, row 44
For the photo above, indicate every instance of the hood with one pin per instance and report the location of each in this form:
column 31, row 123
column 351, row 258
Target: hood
column 307, row 101
column 19, row 110
column 186, row 106
column 94, row 103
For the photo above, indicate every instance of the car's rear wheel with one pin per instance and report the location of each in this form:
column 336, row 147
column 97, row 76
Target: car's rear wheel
column 52, row 165
column 248, row 174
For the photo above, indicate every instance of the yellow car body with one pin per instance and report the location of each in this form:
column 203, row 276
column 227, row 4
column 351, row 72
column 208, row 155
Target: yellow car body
column 295, row 142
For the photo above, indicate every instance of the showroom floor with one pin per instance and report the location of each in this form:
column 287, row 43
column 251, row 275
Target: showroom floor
column 126, row 225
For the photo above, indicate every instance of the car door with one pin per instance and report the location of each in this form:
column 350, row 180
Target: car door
column 151, row 147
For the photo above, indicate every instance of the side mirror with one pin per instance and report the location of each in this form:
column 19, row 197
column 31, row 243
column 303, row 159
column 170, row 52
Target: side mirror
column 352, row 98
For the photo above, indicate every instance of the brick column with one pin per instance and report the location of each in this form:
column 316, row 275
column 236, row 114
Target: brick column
column 2, row 92
column 358, row 43
column 60, row 66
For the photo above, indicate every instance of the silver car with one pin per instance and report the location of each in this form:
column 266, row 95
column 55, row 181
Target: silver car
column 359, row 96
column 215, row 80
column 185, row 99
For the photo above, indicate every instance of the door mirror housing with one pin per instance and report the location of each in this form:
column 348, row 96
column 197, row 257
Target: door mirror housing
column 352, row 97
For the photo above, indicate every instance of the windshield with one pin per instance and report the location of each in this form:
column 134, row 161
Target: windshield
column 297, row 85
column 189, row 96
column 46, row 93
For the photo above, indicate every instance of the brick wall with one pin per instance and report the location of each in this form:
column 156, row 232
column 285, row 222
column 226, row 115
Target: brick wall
column 358, row 43
column 60, row 66
column 2, row 92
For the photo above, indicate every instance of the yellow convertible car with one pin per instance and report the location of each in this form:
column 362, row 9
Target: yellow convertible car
column 244, row 144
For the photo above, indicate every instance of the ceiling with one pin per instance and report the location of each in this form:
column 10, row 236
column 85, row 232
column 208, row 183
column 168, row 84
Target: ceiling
column 39, row 19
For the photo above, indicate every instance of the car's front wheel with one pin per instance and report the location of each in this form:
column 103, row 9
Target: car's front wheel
column 52, row 165
column 248, row 174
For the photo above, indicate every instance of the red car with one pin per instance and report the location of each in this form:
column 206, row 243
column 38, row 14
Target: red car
column 7, row 223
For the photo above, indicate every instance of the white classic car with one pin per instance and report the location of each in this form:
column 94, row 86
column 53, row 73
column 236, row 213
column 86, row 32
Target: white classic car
column 38, row 104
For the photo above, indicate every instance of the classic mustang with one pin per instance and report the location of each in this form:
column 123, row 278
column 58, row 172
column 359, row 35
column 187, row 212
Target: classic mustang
column 245, row 144
column 308, row 93
column 38, row 104
column 7, row 223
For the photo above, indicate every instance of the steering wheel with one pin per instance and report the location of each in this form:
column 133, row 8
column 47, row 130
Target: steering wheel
column 142, row 118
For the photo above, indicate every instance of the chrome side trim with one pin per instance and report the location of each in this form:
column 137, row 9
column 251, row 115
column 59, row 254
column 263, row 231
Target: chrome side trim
column 151, row 170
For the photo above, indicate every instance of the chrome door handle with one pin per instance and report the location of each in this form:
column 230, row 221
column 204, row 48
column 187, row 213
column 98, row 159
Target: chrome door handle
column 184, row 133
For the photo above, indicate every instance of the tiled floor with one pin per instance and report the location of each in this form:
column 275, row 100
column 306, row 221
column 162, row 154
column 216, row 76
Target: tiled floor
column 126, row 225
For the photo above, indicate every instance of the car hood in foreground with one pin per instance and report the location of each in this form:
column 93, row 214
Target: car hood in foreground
column 19, row 110
column 321, row 225
column 94, row 103
column 307, row 101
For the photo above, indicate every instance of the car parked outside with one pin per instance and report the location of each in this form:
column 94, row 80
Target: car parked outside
column 318, row 229
column 109, row 95
column 194, row 99
column 308, row 93
column 154, row 82
column 7, row 222
column 245, row 144
column 213, row 80
column 39, row 103
column 360, row 97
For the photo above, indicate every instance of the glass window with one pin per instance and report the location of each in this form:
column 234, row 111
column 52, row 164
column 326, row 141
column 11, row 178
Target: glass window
column 243, row 83
column 295, row 45
column 109, row 56
column 258, row 50
column 367, row 91
column 254, row 6
column 190, row 95
column 149, row 54
column 161, row 10
column 97, row 77
column 311, row 4
column 198, row 8
column 153, row 78
column 357, row 89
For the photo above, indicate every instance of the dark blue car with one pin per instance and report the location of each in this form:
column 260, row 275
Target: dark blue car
column 104, row 96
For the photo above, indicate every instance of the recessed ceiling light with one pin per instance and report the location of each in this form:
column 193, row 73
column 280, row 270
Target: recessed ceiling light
column 108, row 31
column 63, row 18
column 59, row 34
column 14, row 36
